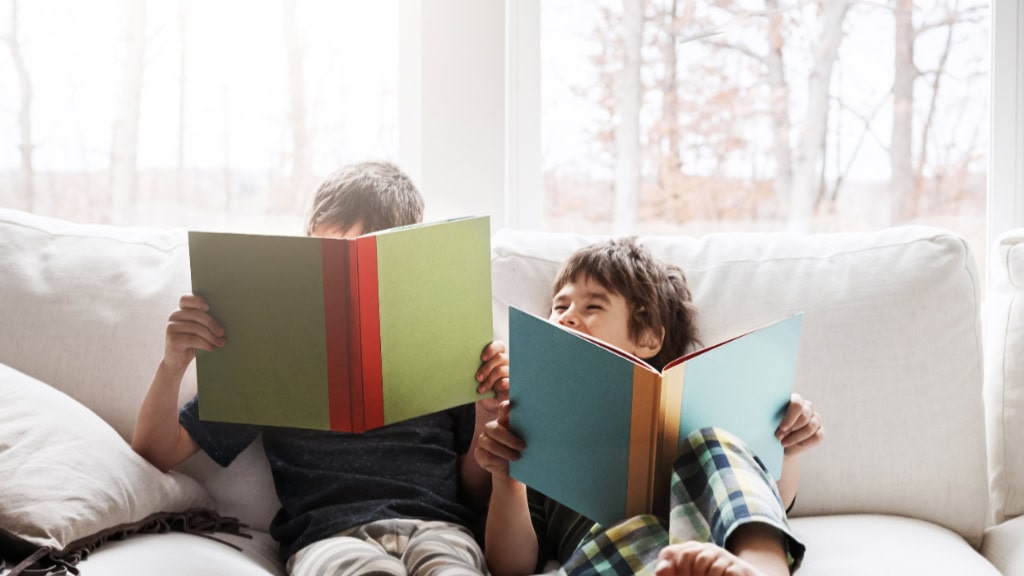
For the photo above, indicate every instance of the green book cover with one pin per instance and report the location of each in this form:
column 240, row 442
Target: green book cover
column 343, row 334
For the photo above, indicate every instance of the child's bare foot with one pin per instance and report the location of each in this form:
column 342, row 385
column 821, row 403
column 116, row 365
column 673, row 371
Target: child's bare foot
column 701, row 559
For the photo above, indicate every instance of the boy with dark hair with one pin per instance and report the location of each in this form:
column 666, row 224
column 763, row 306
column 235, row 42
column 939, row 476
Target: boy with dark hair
column 385, row 501
column 727, row 513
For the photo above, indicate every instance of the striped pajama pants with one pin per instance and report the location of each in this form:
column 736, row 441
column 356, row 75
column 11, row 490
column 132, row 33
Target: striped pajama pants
column 718, row 485
column 396, row 547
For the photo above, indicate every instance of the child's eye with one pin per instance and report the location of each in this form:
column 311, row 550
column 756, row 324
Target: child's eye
column 560, row 308
column 594, row 307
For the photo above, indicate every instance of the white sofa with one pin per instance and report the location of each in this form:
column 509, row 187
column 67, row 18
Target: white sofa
column 891, row 356
column 1004, row 403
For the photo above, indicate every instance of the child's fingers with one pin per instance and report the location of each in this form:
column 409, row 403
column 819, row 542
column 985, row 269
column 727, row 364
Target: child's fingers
column 498, row 447
column 493, row 377
column 798, row 414
column 494, row 363
column 504, row 408
column 792, row 412
column 676, row 559
column 798, row 435
column 495, row 347
column 193, row 301
column 185, row 341
column 188, row 332
column 493, row 464
column 198, row 317
column 489, row 405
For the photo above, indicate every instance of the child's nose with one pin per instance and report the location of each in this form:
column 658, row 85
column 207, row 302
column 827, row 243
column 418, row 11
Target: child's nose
column 568, row 318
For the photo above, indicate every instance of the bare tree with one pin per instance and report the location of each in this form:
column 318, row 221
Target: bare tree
column 812, row 137
column 783, row 181
column 669, row 157
column 26, row 171
column 125, row 144
column 905, row 73
column 302, row 165
column 770, row 63
column 627, row 135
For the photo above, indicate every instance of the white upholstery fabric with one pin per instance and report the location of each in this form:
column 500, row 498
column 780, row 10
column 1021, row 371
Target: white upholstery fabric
column 84, row 308
column 1004, row 547
column 65, row 473
column 1004, row 376
column 890, row 352
column 175, row 554
column 857, row 545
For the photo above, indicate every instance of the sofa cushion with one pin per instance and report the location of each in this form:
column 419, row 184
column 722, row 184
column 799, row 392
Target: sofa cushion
column 1004, row 375
column 178, row 554
column 853, row 545
column 1003, row 546
column 84, row 309
column 67, row 476
column 890, row 353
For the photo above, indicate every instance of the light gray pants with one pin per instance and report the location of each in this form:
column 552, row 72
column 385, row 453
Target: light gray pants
column 398, row 547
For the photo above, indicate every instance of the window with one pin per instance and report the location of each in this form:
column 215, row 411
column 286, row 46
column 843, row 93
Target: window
column 222, row 114
column 693, row 117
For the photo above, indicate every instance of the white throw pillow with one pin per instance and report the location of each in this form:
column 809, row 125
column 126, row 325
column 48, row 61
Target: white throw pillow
column 68, row 478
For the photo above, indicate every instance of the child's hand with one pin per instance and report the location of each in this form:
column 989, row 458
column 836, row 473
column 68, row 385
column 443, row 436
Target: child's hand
column 801, row 427
column 497, row 444
column 701, row 559
column 493, row 375
column 190, row 327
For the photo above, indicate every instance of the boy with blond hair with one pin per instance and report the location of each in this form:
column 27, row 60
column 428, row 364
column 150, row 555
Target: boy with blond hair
column 728, row 515
column 388, row 501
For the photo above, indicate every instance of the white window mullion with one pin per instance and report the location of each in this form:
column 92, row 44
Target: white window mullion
column 1006, row 170
column 452, row 105
column 524, row 186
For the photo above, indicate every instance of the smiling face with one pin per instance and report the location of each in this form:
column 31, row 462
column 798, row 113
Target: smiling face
column 588, row 307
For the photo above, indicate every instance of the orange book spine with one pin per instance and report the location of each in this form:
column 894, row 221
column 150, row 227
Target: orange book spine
column 334, row 256
column 355, row 368
column 369, row 316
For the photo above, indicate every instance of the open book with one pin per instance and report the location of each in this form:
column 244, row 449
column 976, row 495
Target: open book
column 602, row 428
column 343, row 334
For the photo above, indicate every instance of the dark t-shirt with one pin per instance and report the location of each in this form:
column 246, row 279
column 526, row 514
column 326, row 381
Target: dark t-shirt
column 330, row 481
column 559, row 529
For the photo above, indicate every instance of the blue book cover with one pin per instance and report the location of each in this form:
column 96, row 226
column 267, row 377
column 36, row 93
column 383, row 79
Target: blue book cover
column 602, row 427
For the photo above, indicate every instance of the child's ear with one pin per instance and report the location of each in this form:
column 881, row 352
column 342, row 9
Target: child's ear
column 650, row 343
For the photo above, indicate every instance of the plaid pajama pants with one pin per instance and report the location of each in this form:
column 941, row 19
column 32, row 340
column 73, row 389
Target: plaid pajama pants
column 718, row 485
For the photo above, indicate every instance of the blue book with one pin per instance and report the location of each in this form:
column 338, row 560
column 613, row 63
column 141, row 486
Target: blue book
column 602, row 427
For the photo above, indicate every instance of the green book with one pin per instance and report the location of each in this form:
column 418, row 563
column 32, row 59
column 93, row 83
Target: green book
column 343, row 334
column 602, row 427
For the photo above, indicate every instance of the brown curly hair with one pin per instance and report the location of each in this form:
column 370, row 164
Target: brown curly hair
column 377, row 194
column 655, row 291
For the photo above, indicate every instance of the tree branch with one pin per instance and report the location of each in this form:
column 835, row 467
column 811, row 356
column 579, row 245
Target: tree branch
column 736, row 48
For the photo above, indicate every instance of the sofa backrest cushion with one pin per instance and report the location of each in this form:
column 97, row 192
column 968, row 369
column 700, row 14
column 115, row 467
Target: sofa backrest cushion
column 890, row 353
column 84, row 309
column 1004, row 375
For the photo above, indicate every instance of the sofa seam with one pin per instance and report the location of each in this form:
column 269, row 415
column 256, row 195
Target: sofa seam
column 176, row 245
column 1002, row 408
column 1009, row 271
column 955, row 237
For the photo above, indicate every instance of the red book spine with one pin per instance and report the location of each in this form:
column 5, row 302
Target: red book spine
column 369, row 315
column 335, row 256
column 355, row 367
